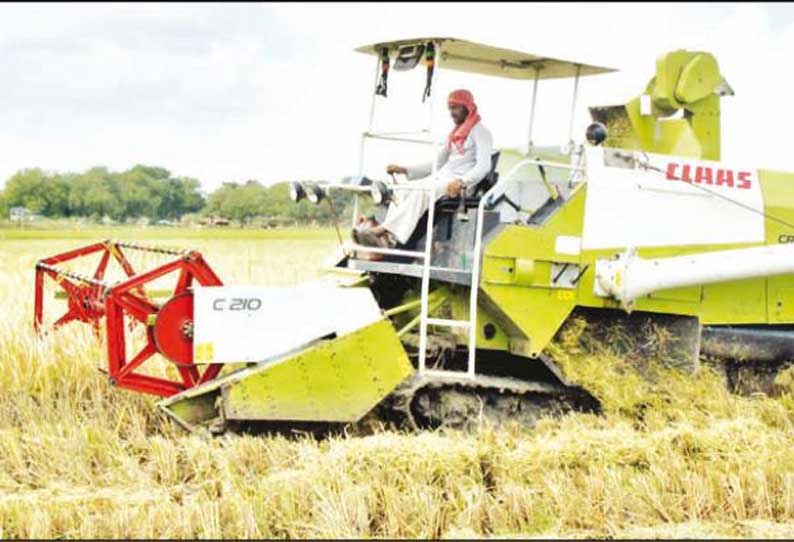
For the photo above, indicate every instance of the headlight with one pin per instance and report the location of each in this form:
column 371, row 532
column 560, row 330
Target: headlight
column 314, row 193
column 296, row 191
column 379, row 193
column 596, row 133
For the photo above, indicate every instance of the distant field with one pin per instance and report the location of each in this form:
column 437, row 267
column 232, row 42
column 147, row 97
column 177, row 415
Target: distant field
column 79, row 458
column 155, row 233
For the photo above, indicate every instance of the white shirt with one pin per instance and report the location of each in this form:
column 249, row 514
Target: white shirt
column 471, row 166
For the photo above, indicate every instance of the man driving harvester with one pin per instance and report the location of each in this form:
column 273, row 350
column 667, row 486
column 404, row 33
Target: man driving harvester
column 463, row 162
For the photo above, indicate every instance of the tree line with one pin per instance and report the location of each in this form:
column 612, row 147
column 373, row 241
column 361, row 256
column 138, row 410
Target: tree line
column 154, row 193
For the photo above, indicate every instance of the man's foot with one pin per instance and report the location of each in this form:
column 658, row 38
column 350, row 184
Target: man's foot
column 365, row 237
column 368, row 238
column 390, row 241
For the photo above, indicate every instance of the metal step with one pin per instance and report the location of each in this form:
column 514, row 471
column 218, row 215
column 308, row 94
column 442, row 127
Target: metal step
column 385, row 251
column 446, row 274
column 448, row 323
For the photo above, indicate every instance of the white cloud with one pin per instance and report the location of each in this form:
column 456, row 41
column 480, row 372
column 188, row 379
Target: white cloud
column 273, row 91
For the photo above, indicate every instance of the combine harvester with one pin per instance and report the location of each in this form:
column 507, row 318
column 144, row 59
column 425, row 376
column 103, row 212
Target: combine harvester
column 642, row 225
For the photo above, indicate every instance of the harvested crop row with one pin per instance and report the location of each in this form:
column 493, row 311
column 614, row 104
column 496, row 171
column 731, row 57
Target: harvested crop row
column 79, row 458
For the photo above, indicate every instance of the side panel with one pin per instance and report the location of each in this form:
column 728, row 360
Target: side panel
column 629, row 206
column 778, row 190
column 519, row 270
column 337, row 381
column 490, row 332
column 735, row 302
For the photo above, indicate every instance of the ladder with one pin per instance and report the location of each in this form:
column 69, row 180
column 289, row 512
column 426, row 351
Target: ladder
column 425, row 255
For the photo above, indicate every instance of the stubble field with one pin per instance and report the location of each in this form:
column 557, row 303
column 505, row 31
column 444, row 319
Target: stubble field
column 78, row 458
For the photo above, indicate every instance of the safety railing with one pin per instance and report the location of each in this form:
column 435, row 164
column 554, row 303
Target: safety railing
column 508, row 177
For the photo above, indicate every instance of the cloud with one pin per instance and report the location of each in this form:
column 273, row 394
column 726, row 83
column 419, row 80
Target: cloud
column 273, row 91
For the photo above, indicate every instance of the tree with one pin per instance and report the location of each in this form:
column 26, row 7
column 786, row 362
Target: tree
column 4, row 207
column 152, row 192
column 33, row 189
column 217, row 198
column 90, row 194
column 244, row 202
column 138, row 192
column 180, row 196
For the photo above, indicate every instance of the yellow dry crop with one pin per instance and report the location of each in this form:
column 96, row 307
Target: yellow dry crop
column 679, row 457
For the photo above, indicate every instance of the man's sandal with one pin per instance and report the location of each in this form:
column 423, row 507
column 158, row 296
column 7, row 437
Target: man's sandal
column 365, row 238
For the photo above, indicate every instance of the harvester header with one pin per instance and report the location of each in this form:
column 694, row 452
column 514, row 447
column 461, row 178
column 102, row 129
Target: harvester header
column 169, row 326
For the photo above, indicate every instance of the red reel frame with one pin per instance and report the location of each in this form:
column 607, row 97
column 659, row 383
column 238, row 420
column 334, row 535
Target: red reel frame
column 84, row 294
column 169, row 328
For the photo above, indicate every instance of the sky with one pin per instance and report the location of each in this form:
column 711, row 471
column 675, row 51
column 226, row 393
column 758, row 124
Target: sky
column 231, row 92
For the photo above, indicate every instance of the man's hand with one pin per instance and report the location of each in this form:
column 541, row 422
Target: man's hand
column 391, row 169
column 455, row 187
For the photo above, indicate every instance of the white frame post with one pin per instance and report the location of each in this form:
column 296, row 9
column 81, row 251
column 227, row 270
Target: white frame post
column 474, row 289
column 430, row 193
column 365, row 134
column 573, row 106
column 530, row 143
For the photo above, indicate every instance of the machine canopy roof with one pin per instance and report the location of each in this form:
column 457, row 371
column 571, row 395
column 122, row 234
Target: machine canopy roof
column 467, row 56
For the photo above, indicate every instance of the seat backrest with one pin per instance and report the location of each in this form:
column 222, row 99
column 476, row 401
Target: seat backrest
column 493, row 176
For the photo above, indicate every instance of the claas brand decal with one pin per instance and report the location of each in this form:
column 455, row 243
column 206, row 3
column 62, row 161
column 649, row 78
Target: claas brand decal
column 708, row 175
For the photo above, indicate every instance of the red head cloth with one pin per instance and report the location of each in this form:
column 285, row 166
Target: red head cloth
column 461, row 132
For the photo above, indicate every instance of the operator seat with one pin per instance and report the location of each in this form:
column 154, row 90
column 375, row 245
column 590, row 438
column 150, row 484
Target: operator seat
column 450, row 205
column 447, row 206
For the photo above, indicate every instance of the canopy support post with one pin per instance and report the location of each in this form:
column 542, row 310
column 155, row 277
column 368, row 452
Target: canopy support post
column 431, row 200
column 573, row 106
column 530, row 143
column 364, row 137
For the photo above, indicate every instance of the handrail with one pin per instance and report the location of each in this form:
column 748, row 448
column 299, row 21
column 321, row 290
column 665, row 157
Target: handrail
column 526, row 162
column 386, row 251
column 400, row 139
column 535, row 161
column 365, row 188
column 474, row 290
column 406, row 186
column 400, row 133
